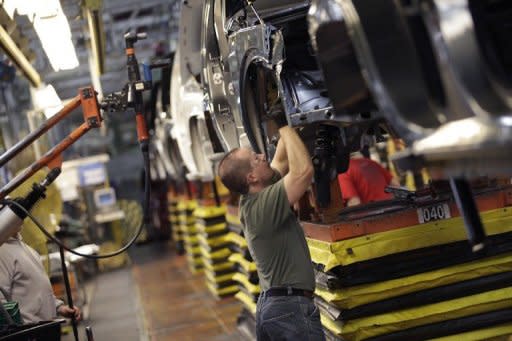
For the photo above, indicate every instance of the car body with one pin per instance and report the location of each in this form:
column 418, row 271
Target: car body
column 447, row 91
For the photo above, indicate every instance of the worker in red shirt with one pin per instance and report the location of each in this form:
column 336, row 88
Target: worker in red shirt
column 365, row 181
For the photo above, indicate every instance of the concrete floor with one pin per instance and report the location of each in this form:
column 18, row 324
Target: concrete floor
column 156, row 298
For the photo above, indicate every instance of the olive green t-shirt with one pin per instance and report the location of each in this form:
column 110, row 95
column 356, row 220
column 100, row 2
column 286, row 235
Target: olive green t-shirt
column 275, row 239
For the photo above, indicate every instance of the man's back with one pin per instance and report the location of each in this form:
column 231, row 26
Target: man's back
column 22, row 279
column 365, row 179
column 276, row 240
column 285, row 308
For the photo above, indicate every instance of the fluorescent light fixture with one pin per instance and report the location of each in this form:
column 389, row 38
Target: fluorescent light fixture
column 51, row 26
column 45, row 98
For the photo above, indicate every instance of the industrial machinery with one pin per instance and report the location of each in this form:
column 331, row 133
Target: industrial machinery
column 331, row 66
column 192, row 128
column 255, row 57
column 447, row 93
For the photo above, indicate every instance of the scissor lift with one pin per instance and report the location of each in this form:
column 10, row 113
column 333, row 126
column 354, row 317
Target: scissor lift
column 402, row 269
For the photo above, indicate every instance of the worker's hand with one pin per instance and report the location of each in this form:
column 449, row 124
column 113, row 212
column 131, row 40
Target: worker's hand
column 276, row 114
column 66, row 311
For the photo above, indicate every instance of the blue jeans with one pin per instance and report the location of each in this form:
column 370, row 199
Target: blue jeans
column 288, row 318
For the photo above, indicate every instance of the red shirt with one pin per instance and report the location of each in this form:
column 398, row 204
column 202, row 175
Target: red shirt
column 365, row 179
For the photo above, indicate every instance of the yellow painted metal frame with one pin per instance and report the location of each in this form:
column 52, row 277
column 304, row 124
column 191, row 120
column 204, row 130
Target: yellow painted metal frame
column 366, row 327
column 377, row 245
column 237, row 239
column 481, row 334
column 219, row 266
column 210, row 276
column 242, row 279
column 213, row 242
column 211, row 228
column 205, row 212
column 244, row 263
column 221, row 291
column 216, row 255
column 350, row 297
column 233, row 219
column 247, row 301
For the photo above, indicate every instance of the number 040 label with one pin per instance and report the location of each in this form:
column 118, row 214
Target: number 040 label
column 435, row 212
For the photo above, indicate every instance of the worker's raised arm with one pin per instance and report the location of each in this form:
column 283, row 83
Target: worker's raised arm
column 300, row 172
column 280, row 160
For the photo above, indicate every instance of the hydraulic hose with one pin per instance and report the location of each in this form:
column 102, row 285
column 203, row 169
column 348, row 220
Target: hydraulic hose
column 145, row 206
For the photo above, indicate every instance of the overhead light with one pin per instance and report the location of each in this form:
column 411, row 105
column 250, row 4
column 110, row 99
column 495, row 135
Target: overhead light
column 45, row 99
column 51, row 26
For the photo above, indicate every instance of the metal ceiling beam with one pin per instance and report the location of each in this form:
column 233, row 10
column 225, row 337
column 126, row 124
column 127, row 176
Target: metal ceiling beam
column 92, row 9
column 15, row 53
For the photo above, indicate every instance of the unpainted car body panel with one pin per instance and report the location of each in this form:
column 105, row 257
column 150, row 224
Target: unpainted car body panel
column 186, row 102
column 441, row 93
column 162, row 135
column 190, row 38
column 160, row 145
column 244, row 37
column 190, row 130
column 217, row 84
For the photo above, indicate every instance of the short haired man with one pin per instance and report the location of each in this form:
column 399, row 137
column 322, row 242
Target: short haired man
column 276, row 241
column 24, row 280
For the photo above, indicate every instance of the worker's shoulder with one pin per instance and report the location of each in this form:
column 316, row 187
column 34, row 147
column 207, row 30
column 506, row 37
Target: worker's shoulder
column 253, row 201
column 246, row 203
column 266, row 192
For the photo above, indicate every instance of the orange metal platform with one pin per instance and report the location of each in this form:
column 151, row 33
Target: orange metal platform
column 390, row 218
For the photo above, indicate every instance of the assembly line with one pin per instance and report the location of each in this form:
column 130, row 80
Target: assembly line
column 321, row 169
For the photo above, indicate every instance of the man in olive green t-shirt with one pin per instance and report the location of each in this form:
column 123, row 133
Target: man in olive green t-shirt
column 276, row 241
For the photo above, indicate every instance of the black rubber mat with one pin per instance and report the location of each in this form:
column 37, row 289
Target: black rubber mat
column 414, row 262
column 429, row 296
column 333, row 312
column 221, row 272
column 213, row 234
column 325, row 280
column 211, row 221
column 449, row 327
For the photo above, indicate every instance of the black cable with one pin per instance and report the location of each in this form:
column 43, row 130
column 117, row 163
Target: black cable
column 69, row 295
column 145, row 218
